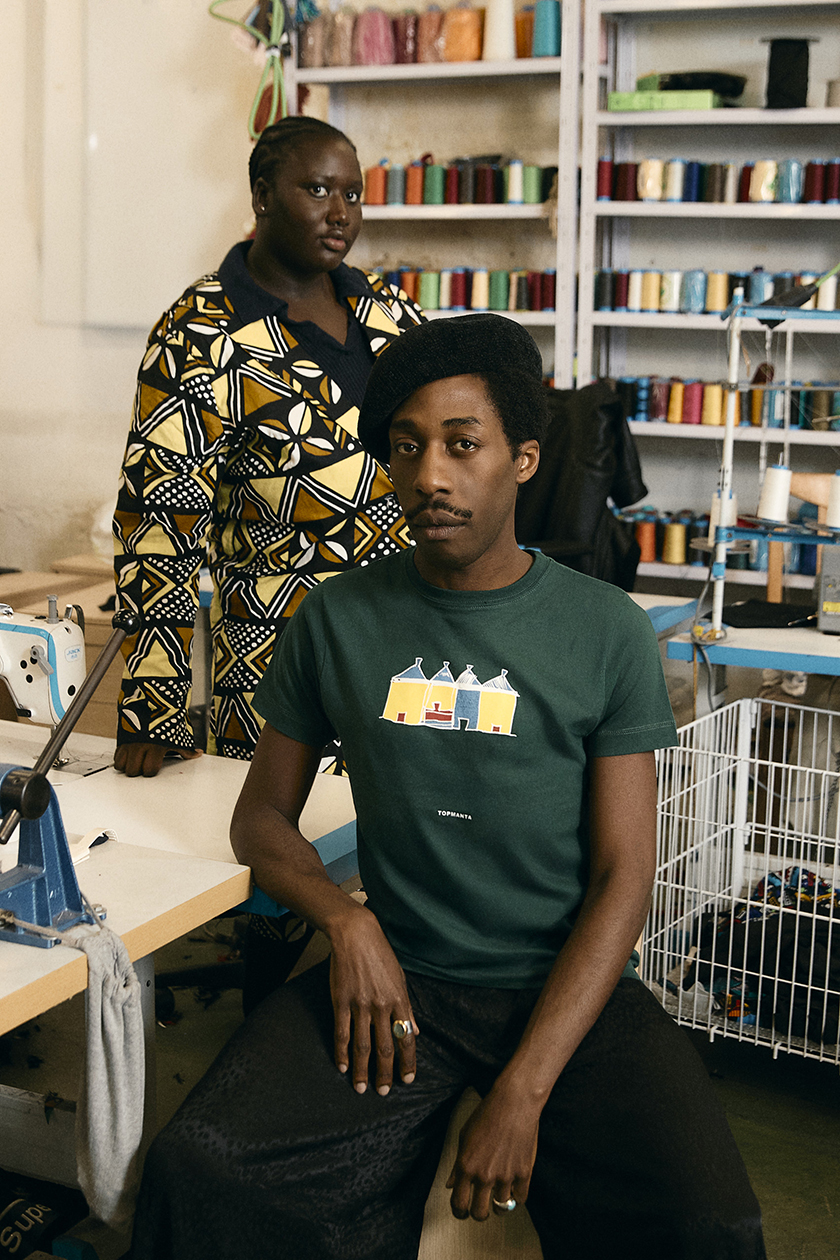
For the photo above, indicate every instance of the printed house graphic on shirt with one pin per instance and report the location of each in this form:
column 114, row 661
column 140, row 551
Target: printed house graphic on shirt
column 451, row 704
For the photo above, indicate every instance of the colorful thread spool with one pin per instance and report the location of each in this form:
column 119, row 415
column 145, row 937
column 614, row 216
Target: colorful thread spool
column 604, row 290
column 646, row 538
column 744, row 182
column 625, row 181
column 622, row 288
column 414, row 178
column 429, row 291
column 715, row 182
column 650, row 178
column 692, row 408
column 480, row 295
column 660, row 391
column 605, row 179
column 775, row 495
column 712, row 411
column 514, row 183
column 827, row 295
column 717, row 291
column 499, row 290
column 396, row 185
column 675, row 401
column 458, row 290
column 693, row 292
column 674, row 180
column 763, row 180
column 548, row 290
column 832, row 182
column 452, row 187
column 669, row 290
column 789, row 181
column 546, row 40
column 814, row 190
column 445, row 300
column 376, row 185
column 434, row 184
column 485, row 190
column 691, row 182
column 673, row 548
column 730, row 184
column 634, row 290
column 532, row 185
column 651, row 284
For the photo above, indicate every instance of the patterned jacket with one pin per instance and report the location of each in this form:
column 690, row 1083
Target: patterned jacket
column 243, row 455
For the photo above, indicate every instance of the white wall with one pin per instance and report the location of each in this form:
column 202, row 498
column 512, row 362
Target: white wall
column 66, row 386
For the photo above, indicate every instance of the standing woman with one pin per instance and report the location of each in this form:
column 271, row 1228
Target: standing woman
column 243, row 450
column 243, row 454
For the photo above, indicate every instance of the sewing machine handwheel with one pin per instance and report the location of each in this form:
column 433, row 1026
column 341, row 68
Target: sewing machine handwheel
column 25, row 791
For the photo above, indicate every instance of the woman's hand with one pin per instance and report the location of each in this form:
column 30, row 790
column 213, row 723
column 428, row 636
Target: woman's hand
column 147, row 759
column 368, row 994
column 496, row 1153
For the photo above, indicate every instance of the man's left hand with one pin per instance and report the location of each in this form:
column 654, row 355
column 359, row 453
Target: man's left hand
column 496, row 1153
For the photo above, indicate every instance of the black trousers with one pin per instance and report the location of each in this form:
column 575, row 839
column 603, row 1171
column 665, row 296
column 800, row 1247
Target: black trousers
column 274, row 1155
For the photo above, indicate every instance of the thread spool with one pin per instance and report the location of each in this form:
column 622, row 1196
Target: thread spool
column 642, row 398
column 717, row 291
column 814, row 190
column 534, row 279
column 669, row 290
column 651, row 284
column 546, row 41
column 808, row 277
column 775, row 495
column 744, row 182
column 453, row 185
column 410, row 282
column 524, row 31
column 405, row 38
column 715, row 180
column 499, row 41
column 434, row 184
column 548, row 290
column 521, row 289
column 827, row 294
column 646, row 538
column 622, row 288
column 604, row 290
column 458, row 289
column 445, row 301
column 726, row 516
column 485, row 191
column 660, row 391
column 763, row 180
column 760, row 286
column 634, row 290
column 429, row 291
column 693, row 292
column 650, row 177
column 396, row 186
column 414, row 178
column 466, row 184
column 674, row 180
column 499, row 290
column 712, row 412
column 730, row 184
column 691, row 182
column 832, row 515
column 692, row 408
column 513, row 291
column 789, row 182
column 605, row 179
column 673, row 548
column 675, row 401
column 821, row 400
column 625, row 181
column 514, row 183
column 480, row 295
column 832, row 182
column 376, row 185
column 532, row 185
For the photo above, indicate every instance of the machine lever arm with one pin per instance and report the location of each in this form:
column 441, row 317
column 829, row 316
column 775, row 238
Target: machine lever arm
column 21, row 784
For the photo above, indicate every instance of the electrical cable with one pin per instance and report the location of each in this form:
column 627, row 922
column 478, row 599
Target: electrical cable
column 274, row 42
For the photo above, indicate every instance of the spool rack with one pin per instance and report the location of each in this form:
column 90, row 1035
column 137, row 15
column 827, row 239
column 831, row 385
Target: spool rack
column 770, row 316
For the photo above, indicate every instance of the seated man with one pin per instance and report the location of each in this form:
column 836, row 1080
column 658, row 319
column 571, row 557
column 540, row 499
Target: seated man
column 498, row 715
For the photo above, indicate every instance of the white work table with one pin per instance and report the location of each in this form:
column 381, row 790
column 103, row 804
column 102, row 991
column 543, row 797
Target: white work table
column 801, row 648
column 170, row 869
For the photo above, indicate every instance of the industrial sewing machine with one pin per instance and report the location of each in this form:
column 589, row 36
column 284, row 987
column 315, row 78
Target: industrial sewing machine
column 42, row 661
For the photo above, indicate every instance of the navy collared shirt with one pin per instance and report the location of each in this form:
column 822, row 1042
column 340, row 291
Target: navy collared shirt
column 349, row 365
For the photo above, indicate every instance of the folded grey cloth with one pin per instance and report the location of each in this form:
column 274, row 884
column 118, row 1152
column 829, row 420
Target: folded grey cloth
column 109, row 1114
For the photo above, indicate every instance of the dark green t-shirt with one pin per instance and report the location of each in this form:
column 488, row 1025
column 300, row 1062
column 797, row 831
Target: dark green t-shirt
column 467, row 720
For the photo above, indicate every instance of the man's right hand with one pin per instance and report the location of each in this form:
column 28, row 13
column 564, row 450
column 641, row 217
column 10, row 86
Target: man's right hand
column 147, row 759
column 369, row 993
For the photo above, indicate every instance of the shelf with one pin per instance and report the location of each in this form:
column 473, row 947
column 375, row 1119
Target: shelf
column 699, row 572
column 733, row 117
column 525, row 67
column 679, row 9
column 706, row 323
column 753, row 211
column 743, row 433
column 499, row 210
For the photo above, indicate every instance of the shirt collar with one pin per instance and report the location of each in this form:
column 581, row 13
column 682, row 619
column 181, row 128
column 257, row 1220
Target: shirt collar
column 252, row 302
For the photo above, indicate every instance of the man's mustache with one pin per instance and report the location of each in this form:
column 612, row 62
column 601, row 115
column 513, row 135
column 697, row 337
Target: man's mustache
column 438, row 505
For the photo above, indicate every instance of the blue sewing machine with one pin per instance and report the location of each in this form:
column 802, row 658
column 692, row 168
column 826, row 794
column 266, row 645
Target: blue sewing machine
column 42, row 661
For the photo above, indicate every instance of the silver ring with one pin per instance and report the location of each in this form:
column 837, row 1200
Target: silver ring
column 507, row 1205
column 401, row 1028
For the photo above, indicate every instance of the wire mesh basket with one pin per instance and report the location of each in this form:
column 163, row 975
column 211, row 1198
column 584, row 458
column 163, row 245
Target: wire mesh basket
column 743, row 937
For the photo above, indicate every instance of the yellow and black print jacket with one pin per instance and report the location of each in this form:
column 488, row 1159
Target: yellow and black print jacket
column 242, row 455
